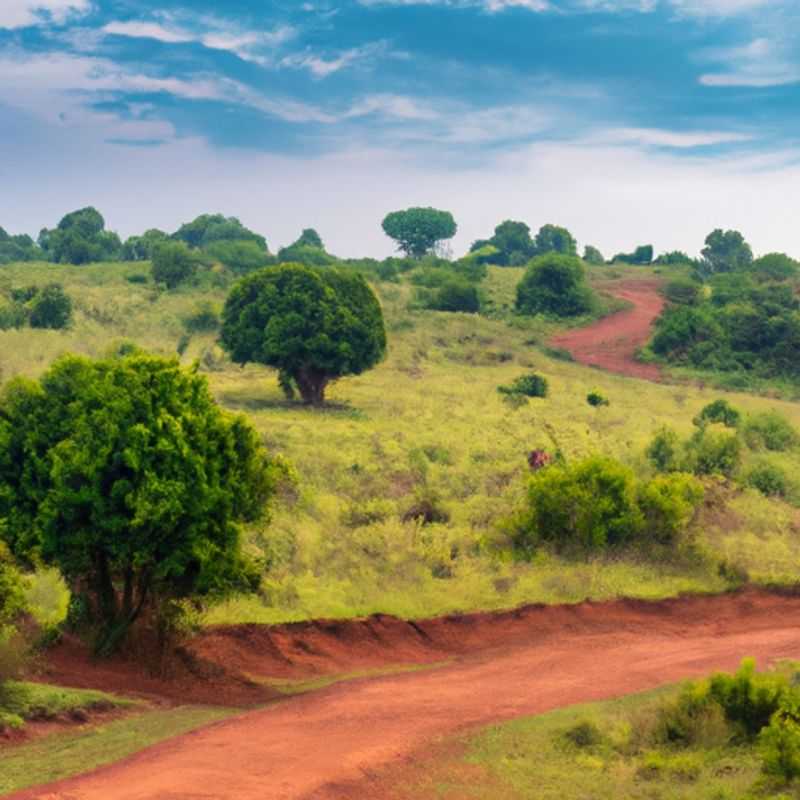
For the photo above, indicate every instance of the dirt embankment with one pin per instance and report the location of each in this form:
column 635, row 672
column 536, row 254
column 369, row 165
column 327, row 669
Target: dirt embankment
column 334, row 743
column 612, row 342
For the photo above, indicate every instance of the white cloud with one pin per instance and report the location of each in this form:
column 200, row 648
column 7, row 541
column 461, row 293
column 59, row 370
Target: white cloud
column 761, row 63
column 322, row 67
column 720, row 8
column 23, row 13
column 653, row 137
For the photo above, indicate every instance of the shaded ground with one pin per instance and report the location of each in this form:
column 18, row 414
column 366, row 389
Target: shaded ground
column 612, row 343
column 335, row 743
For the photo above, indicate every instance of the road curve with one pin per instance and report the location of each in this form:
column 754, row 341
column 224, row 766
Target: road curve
column 314, row 745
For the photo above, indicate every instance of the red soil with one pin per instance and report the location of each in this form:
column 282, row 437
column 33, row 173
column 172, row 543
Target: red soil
column 334, row 743
column 612, row 343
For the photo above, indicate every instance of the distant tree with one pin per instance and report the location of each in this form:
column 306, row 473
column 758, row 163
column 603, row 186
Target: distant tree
column 50, row 307
column 725, row 251
column 554, row 284
column 675, row 257
column 554, row 239
column 642, row 255
column 18, row 248
column 514, row 243
column 173, row 263
column 591, row 255
column 775, row 267
column 209, row 228
column 310, row 238
column 240, row 256
column 418, row 230
column 81, row 238
column 140, row 248
column 313, row 325
column 126, row 475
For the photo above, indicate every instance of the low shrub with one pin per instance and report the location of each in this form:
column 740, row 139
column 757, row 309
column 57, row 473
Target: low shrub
column 779, row 742
column 369, row 512
column 584, row 734
column 427, row 509
column 51, row 307
column 713, row 452
column 203, row 319
column 455, row 295
column 769, row 430
column 720, row 411
column 683, row 291
column 596, row 399
column 665, row 451
column 530, row 385
column 669, row 504
column 769, row 479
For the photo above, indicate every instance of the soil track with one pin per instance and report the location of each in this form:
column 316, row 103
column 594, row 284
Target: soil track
column 333, row 743
column 612, row 343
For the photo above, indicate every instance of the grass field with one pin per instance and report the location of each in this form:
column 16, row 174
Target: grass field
column 427, row 424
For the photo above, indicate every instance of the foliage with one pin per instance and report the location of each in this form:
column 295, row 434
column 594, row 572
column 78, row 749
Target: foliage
column 240, row 256
column 140, row 248
column 714, row 452
column 308, row 250
column 313, row 325
column 530, row 385
column 50, row 307
column 642, row 255
column 683, row 291
column 555, row 239
column 12, row 591
column 769, row 479
column 456, row 295
column 209, row 228
column 554, row 284
column 675, row 257
column 80, row 238
column 133, row 484
column 725, row 251
column 511, row 244
column 779, row 742
column 720, row 411
column 173, row 264
column 18, row 248
column 775, row 267
column 204, row 318
column 598, row 503
column 770, row 430
column 665, row 451
column 417, row 230
column 591, row 255
column 596, row 399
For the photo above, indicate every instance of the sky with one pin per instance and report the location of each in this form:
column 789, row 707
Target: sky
column 627, row 121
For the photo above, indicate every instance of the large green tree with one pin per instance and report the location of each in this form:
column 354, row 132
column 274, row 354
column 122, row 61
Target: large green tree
column 418, row 230
column 81, row 238
column 313, row 325
column 174, row 263
column 208, row 228
column 126, row 475
column 554, row 284
column 555, row 239
column 725, row 251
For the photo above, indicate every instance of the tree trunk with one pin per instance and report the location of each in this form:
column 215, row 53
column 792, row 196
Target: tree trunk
column 311, row 384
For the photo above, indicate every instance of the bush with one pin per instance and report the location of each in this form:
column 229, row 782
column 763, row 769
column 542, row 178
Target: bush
column 665, row 451
column 530, row 385
column 12, row 315
column 584, row 734
column 771, row 431
column 240, row 256
column 769, row 479
column 713, row 452
column 669, row 503
column 456, row 296
column 779, row 742
column 369, row 512
column 50, row 308
column 719, row 411
column 596, row 399
column 554, row 284
column 203, row 319
column 683, row 291
column 173, row 264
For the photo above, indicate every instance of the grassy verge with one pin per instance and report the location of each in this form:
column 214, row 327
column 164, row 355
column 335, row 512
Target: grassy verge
column 64, row 755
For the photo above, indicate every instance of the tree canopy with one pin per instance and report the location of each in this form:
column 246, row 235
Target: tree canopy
column 126, row 475
column 725, row 251
column 313, row 325
column 555, row 239
column 80, row 238
column 554, row 284
column 418, row 230
column 173, row 263
column 208, row 228
column 591, row 255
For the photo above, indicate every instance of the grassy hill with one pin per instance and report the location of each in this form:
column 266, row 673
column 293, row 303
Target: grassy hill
column 426, row 426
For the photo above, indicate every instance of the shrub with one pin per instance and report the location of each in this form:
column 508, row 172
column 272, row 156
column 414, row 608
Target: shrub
column 427, row 509
column 769, row 479
column 669, row 503
column 665, row 451
column 173, row 263
column 456, row 296
column 12, row 315
column 530, row 385
column 779, row 742
column 719, row 411
column 136, row 278
column 50, row 308
column 584, row 734
column 596, row 399
column 240, row 256
column 367, row 513
column 554, row 284
column 713, row 452
column 204, row 318
column 771, row 431
column 683, row 291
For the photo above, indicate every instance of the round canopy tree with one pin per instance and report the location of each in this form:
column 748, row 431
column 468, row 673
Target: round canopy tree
column 313, row 325
column 126, row 475
column 554, row 284
column 417, row 230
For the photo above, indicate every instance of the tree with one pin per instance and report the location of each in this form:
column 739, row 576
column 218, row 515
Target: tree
column 240, row 256
column 725, row 251
column 51, row 307
column 418, row 230
column 173, row 263
column 310, row 238
column 208, row 228
column 554, row 239
column 675, row 257
column 81, row 238
column 313, row 325
column 643, row 254
column 591, row 255
column 775, row 267
column 126, row 475
column 554, row 284
column 140, row 248
column 513, row 243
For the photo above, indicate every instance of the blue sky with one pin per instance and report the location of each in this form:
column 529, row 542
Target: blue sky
column 629, row 121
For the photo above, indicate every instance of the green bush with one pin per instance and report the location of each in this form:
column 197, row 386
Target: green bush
column 683, row 291
column 240, row 256
column 530, row 385
column 596, row 399
column 669, row 504
column 456, row 296
column 173, row 263
column 714, row 452
column 554, row 284
column 203, row 319
column 771, row 431
column 769, row 479
column 719, row 411
column 779, row 742
column 50, row 308
column 12, row 315
column 665, row 451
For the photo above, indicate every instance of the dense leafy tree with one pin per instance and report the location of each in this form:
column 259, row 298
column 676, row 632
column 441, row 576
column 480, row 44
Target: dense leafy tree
column 309, row 255
column 725, row 251
column 418, row 230
column 512, row 242
column 50, row 307
column 675, row 257
column 554, row 239
column 775, row 267
column 313, row 325
column 240, row 256
column 591, row 255
column 173, row 263
column 554, row 284
column 208, row 228
column 81, row 238
column 310, row 238
column 18, row 248
column 641, row 255
column 126, row 475
column 140, row 248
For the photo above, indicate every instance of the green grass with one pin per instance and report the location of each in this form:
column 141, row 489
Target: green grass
column 427, row 422
column 64, row 755
column 536, row 758
column 37, row 700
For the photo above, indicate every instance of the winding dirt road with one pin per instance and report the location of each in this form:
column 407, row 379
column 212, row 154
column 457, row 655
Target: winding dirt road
column 333, row 743
column 612, row 342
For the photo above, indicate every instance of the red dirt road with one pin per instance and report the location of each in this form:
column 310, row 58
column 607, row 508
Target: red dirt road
column 333, row 743
column 611, row 343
